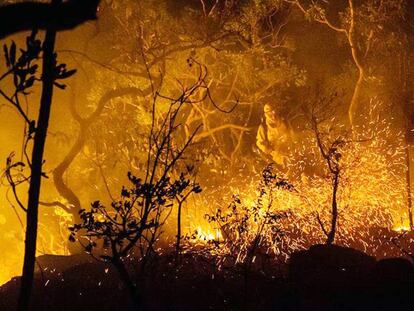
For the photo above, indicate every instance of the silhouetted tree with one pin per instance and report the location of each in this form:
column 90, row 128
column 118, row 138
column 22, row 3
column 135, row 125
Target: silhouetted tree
column 331, row 141
column 23, row 70
column 134, row 222
column 330, row 151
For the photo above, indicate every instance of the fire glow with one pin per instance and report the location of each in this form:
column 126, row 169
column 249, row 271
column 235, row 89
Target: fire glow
column 373, row 195
column 236, row 134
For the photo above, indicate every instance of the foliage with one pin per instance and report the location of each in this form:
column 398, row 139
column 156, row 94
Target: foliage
column 22, row 70
column 141, row 209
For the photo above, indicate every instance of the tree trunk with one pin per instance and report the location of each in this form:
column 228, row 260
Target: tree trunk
column 36, row 169
column 178, row 243
column 84, row 123
column 354, row 105
column 408, row 183
column 126, row 279
column 331, row 235
column 58, row 174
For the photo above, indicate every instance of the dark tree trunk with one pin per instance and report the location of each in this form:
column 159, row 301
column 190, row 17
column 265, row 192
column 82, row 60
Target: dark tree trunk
column 126, row 279
column 178, row 242
column 49, row 64
column 334, row 217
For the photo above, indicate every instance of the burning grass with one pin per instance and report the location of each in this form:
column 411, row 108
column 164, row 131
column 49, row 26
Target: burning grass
column 275, row 221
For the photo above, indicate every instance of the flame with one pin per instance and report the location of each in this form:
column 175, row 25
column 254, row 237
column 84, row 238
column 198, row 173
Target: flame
column 402, row 226
column 208, row 234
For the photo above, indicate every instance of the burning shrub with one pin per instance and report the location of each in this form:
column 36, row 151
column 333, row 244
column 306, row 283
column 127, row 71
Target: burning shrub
column 252, row 228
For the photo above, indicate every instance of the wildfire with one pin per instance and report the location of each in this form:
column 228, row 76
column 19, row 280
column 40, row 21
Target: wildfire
column 372, row 198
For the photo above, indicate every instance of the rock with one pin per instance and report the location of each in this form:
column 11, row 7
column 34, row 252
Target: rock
column 330, row 278
column 393, row 270
column 324, row 265
column 392, row 284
